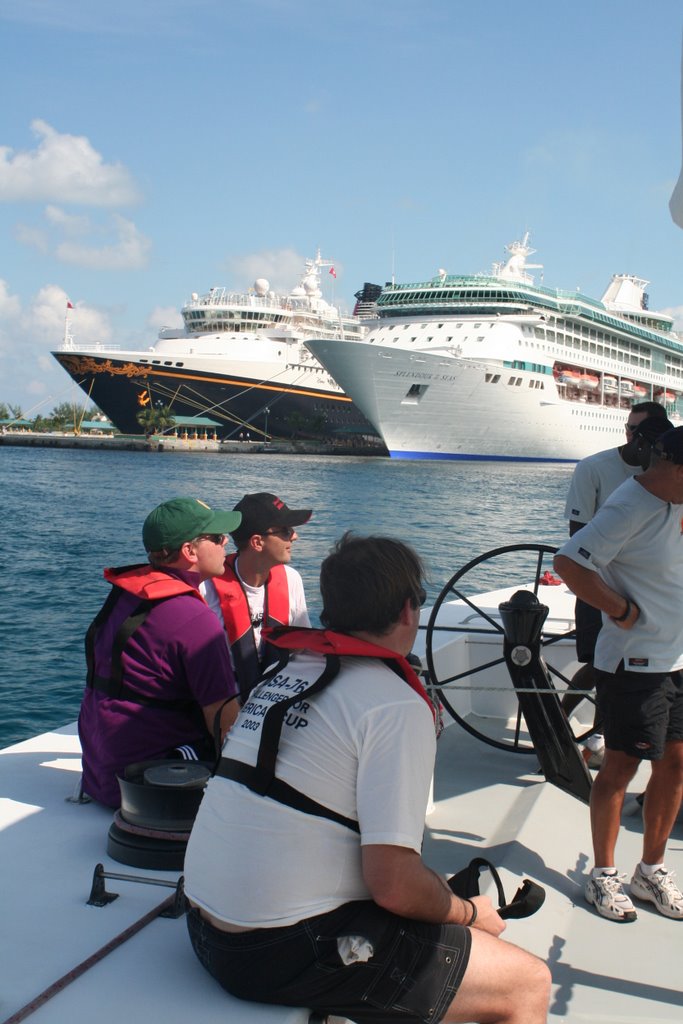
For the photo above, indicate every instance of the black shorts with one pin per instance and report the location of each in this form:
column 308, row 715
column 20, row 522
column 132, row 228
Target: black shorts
column 641, row 711
column 412, row 971
column 588, row 625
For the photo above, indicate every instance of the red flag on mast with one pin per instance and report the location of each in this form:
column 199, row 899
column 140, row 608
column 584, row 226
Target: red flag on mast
column 69, row 305
column 332, row 271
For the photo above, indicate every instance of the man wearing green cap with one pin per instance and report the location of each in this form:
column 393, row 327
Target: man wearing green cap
column 159, row 669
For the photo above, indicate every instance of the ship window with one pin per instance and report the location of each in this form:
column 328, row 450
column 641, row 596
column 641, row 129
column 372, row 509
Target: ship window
column 167, row 362
column 180, row 364
column 496, row 378
column 511, row 381
column 518, row 382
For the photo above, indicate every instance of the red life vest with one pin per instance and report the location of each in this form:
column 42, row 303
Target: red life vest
column 327, row 641
column 260, row 778
column 151, row 586
column 237, row 620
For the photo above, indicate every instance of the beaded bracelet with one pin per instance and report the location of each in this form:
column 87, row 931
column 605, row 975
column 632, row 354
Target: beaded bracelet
column 473, row 917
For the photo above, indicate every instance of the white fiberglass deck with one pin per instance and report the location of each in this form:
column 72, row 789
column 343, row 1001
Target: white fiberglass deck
column 487, row 802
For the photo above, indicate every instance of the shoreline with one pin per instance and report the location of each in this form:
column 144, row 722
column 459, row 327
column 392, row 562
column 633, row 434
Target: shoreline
column 161, row 443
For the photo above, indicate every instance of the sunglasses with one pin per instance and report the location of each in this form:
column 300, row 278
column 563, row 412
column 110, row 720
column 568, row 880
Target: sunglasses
column 286, row 532
column 215, row 538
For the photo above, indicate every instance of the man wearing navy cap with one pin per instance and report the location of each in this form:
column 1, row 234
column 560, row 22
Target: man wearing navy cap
column 628, row 562
column 259, row 586
column 158, row 669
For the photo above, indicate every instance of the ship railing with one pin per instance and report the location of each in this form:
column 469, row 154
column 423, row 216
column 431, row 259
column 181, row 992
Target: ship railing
column 95, row 346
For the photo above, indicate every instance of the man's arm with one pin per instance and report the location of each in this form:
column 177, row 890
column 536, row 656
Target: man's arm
column 400, row 881
column 592, row 589
column 228, row 712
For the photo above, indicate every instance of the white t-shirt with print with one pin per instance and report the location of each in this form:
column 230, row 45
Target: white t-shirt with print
column 364, row 747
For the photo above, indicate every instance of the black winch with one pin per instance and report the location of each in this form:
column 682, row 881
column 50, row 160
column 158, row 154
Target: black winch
column 159, row 802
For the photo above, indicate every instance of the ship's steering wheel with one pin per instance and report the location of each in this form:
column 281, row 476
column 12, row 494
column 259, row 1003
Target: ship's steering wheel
column 527, row 564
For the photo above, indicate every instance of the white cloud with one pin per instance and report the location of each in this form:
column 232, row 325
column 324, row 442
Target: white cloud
column 130, row 251
column 164, row 316
column 10, row 305
column 32, row 237
column 29, row 374
column 63, row 168
column 281, row 267
column 677, row 313
column 69, row 223
column 66, row 239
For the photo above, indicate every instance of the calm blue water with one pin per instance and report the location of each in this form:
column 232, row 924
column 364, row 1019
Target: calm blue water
column 68, row 514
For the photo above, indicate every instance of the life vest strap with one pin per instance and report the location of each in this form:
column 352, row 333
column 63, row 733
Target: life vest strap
column 114, row 686
column 282, row 792
column 260, row 778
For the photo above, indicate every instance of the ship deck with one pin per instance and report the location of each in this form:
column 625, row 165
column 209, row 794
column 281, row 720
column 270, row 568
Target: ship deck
column 487, row 802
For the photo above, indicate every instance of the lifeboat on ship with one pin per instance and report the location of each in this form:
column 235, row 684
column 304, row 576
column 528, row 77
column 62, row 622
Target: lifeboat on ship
column 665, row 397
column 571, row 377
column 609, row 384
column 626, row 389
column 640, row 391
column 588, row 381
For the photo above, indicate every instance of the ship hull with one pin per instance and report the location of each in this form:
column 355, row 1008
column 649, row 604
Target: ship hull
column 440, row 408
column 123, row 387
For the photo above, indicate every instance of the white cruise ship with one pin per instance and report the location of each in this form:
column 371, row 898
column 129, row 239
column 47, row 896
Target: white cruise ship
column 497, row 367
column 239, row 359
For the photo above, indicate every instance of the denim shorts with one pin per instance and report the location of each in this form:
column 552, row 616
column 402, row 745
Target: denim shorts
column 357, row 961
column 641, row 711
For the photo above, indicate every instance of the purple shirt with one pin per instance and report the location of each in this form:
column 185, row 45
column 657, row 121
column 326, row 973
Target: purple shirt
column 179, row 653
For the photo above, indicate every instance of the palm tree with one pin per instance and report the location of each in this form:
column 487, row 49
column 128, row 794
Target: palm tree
column 155, row 420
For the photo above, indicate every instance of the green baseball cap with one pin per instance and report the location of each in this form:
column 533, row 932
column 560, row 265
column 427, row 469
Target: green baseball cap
column 181, row 519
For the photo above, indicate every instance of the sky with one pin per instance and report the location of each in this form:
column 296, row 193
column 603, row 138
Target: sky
column 152, row 149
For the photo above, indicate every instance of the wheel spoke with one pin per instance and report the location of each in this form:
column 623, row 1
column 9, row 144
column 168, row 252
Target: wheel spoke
column 472, row 672
column 506, row 733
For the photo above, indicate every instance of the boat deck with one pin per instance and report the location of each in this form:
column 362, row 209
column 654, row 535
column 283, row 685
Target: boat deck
column 487, row 802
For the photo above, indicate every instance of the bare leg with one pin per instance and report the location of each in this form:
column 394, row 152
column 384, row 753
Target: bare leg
column 607, row 799
column 503, row 984
column 662, row 801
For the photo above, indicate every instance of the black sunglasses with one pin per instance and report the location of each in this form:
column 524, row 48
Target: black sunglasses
column 286, row 532
column 215, row 538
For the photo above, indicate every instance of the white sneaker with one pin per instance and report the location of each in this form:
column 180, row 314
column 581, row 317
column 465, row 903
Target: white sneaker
column 607, row 895
column 660, row 889
column 594, row 750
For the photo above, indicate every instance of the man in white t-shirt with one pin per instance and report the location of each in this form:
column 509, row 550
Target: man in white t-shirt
column 304, row 869
column 593, row 480
column 259, row 587
column 628, row 562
